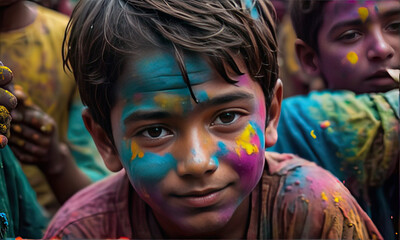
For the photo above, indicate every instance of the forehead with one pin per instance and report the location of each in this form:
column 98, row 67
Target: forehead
column 336, row 11
column 157, row 70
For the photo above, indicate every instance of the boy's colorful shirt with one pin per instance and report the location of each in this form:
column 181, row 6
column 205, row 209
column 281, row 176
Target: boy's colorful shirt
column 34, row 55
column 356, row 137
column 20, row 213
column 295, row 199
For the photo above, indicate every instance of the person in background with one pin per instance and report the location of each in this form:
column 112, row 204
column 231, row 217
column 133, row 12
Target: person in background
column 20, row 213
column 352, row 127
column 47, row 134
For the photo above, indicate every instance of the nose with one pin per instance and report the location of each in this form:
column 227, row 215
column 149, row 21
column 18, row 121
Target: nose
column 197, row 154
column 379, row 47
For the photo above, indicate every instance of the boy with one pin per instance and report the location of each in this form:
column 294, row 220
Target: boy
column 184, row 96
column 350, row 44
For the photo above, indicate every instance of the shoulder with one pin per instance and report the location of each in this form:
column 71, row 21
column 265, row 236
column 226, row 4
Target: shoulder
column 311, row 203
column 93, row 209
column 52, row 15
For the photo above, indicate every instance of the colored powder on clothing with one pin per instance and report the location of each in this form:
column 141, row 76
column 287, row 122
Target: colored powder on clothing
column 363, row 12
column 136, row 151
column 352, row 57
column 243, row 141
column 325, row 124
column 313, row 134
column 323, row 196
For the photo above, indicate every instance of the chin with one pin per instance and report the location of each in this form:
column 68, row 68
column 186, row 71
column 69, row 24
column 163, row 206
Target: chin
column 206, row 224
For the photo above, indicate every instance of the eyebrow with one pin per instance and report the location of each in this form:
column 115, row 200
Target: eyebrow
column 226, row 98
column 219, row 100
column 340, row 25
column 357, row 21
column 390, row 12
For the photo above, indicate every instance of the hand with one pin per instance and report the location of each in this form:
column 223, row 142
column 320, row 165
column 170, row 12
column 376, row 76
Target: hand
column 34, row 138
column 7, row 102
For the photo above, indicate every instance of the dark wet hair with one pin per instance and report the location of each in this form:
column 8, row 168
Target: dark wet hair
column 102, row 34
column 307, row 17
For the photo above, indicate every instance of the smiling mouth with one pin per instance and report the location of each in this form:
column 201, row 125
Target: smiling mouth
column 201, row 199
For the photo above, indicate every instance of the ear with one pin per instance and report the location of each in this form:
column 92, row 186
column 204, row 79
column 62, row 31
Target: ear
column 307, row 57
column 106, row 148
column 271, row 133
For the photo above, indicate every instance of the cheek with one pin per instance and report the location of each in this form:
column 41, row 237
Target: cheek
column 245, row 155
column 145, row 169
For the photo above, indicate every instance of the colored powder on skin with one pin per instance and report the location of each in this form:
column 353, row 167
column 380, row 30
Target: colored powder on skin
column 243, row 141
column 376, row 8
column 136, row 152
column 3, row 128
column 202, row 96
column 2, row 68
column 3, row 141
column 352, row 57
column 363, row 12
column 323, row 196
column 170, row 102
column 4, row 113
column 325, row 124
column 312, row 134
column 10, row 96
column 150, row 169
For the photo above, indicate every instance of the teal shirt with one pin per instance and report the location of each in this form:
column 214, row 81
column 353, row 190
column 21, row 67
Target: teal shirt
column 82, row 146
column 360, row 146
column 18, row 201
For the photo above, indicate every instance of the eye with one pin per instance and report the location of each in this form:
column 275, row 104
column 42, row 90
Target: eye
column 393, row 27
column 349, row 36
column 155, row 132
column 226, row 118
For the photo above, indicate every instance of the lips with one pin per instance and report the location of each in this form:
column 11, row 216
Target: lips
column 200, row 198
column 379, row 74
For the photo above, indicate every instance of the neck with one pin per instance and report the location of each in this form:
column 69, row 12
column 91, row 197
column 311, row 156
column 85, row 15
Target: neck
column 16, row 16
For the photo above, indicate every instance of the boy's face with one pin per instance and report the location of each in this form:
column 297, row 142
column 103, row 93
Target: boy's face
column 194, row 164
column 357, row 41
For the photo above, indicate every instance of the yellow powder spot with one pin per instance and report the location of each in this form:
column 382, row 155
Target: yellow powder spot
column 243, row 141
column 169, row 102
column 325, row 124
column 336, row 197
column 323, row 196
column 363, row 12
column 312, row 134
column 3, row 128
column 352, row 57
column 136, row 151
column 4, row 113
